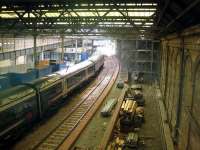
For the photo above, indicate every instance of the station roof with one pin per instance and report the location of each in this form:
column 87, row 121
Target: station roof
column 136, row 18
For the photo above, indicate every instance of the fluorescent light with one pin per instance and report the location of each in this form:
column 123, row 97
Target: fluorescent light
column 137, row 23
column 149, row 23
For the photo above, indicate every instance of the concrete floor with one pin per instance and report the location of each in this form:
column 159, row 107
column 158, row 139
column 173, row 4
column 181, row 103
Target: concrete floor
column 151, row 130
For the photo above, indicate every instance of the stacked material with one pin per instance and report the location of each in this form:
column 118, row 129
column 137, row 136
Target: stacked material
column 106, row 111
column 138, row 94
column 127, row 112
column 139, row 117
column 131, row 118
column 126, row 142
column 117, row 144
column 140, row 111
column 132, row 140
column 129, row 106
column 130, row 93
column 132, row 114
column 135, row 93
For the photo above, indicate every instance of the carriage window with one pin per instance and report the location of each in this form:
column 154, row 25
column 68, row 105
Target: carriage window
column 76, row 78
column 91, row 70
column 54, row 90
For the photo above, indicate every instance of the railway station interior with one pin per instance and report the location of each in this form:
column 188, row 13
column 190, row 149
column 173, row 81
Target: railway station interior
column 99, row 75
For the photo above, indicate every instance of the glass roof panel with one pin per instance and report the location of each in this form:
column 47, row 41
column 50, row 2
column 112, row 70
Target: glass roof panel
column 140, row 14
column 101, row 13
column 52, row 14
column 73, row 14
column 85, row 14
column 30, row 15
column 114, row 14
column 8, row 15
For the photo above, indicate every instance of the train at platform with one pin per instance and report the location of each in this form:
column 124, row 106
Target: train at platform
column 23, row 105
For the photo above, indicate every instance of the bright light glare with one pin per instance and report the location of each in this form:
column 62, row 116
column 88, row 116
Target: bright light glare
column 105, row 47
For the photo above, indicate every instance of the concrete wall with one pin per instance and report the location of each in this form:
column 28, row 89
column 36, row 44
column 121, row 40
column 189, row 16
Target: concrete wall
column 180, row 86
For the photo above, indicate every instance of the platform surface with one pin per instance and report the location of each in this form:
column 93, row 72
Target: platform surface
column 151, row 130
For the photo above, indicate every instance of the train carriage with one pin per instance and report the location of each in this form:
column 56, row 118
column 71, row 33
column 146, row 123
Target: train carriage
column 49, row 90
column 76, row 75
column 23, row 104
column 18, row 107
column 98, row 60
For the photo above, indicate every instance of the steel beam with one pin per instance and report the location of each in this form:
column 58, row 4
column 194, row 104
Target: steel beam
column 35, row 49
column 163, row 11
column 62, row 47
column 75, row 19
column 42, row 21
column 69, row 5
column 193, row 4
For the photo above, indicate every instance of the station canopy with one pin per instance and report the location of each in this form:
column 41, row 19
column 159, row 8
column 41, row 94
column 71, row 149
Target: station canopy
column 136, row 18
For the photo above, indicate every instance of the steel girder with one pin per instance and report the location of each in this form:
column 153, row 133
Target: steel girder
column 31, row 16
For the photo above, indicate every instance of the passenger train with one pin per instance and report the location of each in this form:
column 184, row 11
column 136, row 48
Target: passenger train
column 22, row 105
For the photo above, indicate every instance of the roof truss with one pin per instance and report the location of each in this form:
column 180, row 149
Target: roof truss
column 78, row 16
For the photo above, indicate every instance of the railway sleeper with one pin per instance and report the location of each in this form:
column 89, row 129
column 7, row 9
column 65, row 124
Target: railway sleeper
column 47, row 145
column 58, row 134
column 71, row 126
column 73, row 119
column 77, row 115
column 80, row 111
column 62, row 130
column 63, row 126
column 84, row 106
column 52, row 139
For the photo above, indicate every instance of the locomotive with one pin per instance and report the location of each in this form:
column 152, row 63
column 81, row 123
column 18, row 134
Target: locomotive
column 23, row 104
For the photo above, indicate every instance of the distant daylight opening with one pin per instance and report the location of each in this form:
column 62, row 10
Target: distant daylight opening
column 105, row 47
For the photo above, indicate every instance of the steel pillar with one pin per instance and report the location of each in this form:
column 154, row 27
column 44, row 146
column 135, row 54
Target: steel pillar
column 35, row 49
column 62, row 47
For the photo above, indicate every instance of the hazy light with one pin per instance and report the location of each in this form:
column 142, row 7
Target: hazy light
column 105, row 47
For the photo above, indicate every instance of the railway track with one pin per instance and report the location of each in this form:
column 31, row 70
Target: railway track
column 56, row 137
column 32, row 140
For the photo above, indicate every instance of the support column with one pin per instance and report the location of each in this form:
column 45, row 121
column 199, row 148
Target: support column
column 14, row 46
column 35, row 49
column 24, row 42
column 42, row 49
column 152, row 60
column 62, row 47
column 92, row 47
column 2, row 45
column 76, row 57
column 166, row 73
column 180, row 96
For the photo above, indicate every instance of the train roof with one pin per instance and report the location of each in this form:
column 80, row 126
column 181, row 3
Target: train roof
column 45, row 81
column 79, row 66
column 95, row 58
column 75, row 68
column 14, row 94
